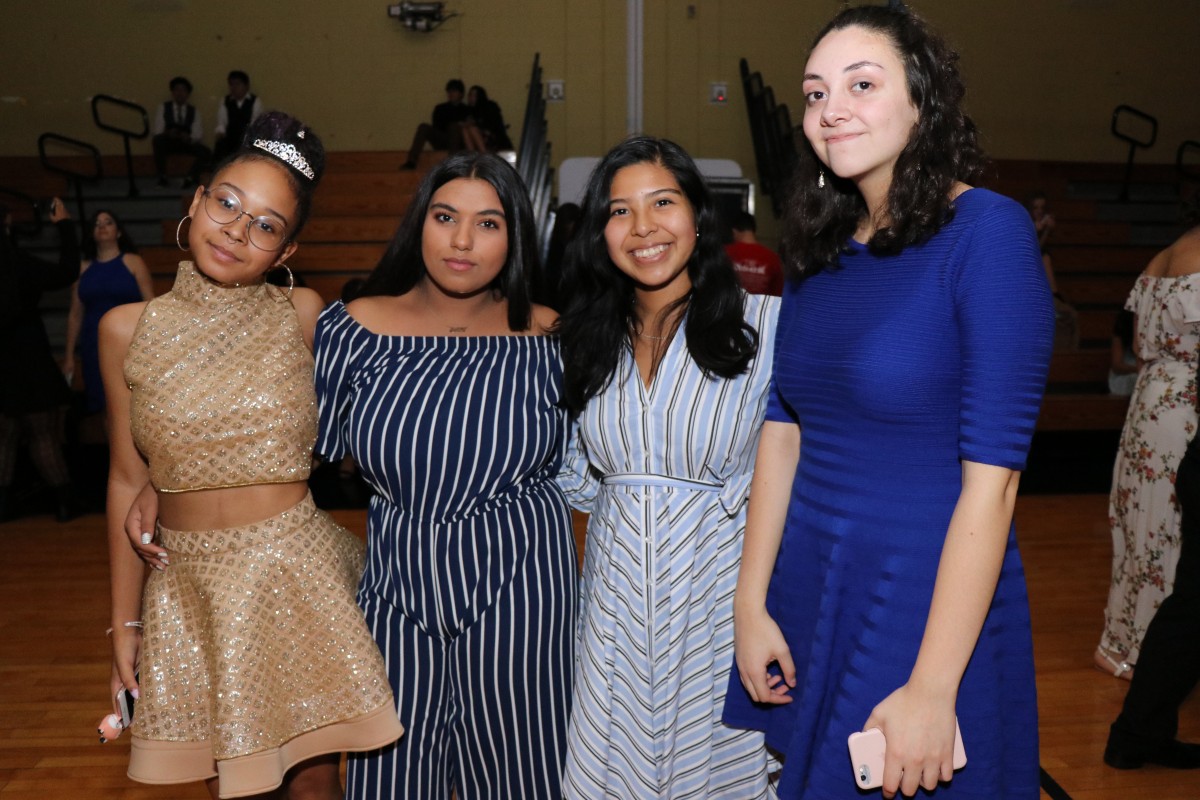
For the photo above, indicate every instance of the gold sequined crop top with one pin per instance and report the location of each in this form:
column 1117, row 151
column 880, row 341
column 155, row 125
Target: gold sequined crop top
column 222, row 386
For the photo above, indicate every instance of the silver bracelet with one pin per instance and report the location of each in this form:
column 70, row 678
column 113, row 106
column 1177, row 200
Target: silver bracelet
column 137, row 623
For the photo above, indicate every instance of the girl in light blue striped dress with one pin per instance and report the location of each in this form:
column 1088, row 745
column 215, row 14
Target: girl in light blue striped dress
column 667, row 364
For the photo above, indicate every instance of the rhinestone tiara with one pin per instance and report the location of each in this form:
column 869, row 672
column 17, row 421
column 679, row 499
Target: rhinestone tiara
column 288, row 154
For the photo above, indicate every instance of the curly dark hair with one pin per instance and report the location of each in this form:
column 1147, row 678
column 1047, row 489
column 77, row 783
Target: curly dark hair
column 278, row 126
column 403, row 267
column 942, row 150
column 598, row 318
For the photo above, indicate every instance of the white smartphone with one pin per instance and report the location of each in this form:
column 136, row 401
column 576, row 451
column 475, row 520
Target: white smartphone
column 867, row 749
column 125, row 703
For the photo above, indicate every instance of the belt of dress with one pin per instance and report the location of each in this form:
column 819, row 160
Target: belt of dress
column 650, row 479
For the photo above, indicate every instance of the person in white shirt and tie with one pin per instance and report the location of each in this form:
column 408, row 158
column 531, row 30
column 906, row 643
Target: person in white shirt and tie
column 177, row 129
column 234, row 115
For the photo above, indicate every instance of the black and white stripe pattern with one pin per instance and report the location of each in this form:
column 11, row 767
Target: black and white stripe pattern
column 470, row 580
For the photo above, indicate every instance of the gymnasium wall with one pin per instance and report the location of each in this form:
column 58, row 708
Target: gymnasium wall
column 1043, row 75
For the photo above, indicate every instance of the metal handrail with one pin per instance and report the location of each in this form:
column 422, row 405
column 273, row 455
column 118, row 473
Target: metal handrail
column 772, row 136
column 1184, row 146
column 1142, row 115
column 125, row 133
column 753, row 91
column 75, row 177
column 1134, row 143
column 535, row 111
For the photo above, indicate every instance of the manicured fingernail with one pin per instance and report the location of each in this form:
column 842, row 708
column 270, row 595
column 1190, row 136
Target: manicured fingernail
column 136, row 694
column 147, row 537
column 163, row 556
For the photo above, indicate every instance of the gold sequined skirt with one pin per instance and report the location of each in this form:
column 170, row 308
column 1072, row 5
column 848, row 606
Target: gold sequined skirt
column 255, row 656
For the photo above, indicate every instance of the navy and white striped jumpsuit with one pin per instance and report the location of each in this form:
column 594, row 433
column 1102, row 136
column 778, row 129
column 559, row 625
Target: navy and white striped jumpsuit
column 470, row 582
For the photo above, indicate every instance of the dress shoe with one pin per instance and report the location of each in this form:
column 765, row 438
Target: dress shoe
column 1129, row 751
column 1113, row 663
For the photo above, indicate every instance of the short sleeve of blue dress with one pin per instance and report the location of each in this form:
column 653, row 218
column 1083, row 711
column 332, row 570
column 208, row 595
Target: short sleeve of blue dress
column 1004, row 329
column 898, row 369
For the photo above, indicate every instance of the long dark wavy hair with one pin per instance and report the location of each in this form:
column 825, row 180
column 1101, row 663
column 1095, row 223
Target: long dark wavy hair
column 598, row 319
column 124, row 241
column 942, row 150
column 277, row 126
column 403, row 267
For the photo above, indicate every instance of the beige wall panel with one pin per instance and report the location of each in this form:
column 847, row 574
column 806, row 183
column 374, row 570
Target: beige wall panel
column 1044, row 75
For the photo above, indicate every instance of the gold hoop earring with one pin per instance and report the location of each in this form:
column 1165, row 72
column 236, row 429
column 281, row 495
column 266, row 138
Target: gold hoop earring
column 821, row 179
column 178, row 230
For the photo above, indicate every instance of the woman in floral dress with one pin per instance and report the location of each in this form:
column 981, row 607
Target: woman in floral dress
column 1142, row 509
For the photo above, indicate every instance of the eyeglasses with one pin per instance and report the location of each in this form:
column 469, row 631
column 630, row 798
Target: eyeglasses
column 224, row 207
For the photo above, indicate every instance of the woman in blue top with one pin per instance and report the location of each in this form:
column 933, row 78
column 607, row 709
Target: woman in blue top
column 438, row 380
column 112, row 274
column 880, row 584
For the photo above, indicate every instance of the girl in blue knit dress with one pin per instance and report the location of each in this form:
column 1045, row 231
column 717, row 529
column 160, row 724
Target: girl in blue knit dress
column 880, row 584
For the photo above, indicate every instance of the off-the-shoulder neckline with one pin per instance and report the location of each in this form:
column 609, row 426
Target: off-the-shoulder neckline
column 341, row 308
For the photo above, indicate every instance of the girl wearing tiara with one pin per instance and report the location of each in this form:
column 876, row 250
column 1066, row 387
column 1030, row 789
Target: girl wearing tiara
column 256, row 667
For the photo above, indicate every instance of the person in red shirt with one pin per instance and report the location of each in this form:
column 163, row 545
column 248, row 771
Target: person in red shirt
column 758, row 267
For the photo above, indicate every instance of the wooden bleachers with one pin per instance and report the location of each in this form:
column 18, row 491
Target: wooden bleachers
column 356, row 210
column 1097, row 255
column 1079, row 368
column 1082, row 412
column 1098, row 248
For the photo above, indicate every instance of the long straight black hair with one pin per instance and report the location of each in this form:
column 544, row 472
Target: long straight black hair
column 403, row 267
column 598, row 319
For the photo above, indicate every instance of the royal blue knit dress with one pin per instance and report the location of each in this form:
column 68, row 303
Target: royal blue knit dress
column 897, row 369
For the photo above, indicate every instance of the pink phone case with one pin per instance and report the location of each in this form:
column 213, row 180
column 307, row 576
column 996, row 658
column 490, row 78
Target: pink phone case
column 867, row 750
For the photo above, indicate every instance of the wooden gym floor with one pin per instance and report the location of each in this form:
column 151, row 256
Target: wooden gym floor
column 54, row 659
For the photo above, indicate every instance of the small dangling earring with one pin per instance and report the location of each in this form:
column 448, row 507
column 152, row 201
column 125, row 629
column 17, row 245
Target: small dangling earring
column 178, row 230
column 821, row 179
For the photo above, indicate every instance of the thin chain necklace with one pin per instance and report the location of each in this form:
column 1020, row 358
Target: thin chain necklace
column 653, row 338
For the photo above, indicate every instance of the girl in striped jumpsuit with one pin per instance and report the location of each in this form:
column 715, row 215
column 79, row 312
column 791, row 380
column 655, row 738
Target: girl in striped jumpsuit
column 439, row 382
